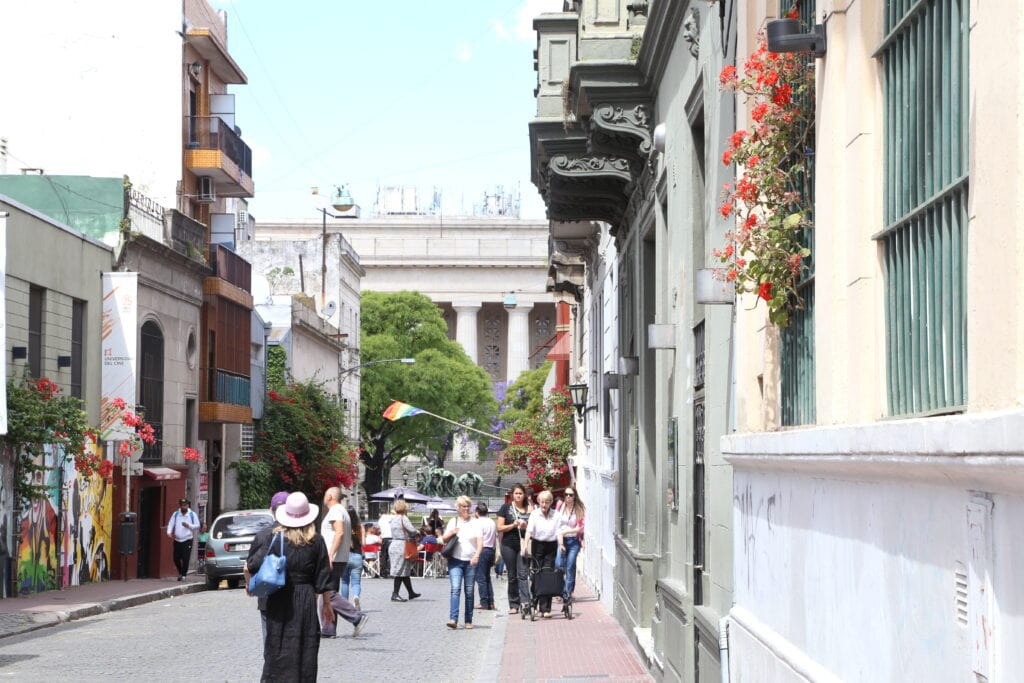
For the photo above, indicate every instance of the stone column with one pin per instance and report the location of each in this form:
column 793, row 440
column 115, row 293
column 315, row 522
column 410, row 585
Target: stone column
column 465, row 326
column 518, row 355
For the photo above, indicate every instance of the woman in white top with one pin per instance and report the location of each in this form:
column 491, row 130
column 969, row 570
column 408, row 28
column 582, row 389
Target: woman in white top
column 542, row 539
column 570, row 538
column 462, row 565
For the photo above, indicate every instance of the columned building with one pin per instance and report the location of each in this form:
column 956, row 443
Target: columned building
column 487, row 275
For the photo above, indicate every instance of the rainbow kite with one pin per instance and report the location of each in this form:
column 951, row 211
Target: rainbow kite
column 397, row 410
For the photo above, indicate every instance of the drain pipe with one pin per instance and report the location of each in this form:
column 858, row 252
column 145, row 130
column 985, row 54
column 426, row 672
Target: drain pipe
column 723, row 648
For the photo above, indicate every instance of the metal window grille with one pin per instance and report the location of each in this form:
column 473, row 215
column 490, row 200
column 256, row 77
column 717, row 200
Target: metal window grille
column 924, row 243
column 797, row 339
column 77, row 346
column 699, row 512
column 247, row 442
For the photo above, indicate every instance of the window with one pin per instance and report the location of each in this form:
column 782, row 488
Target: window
column 151, row 371
column 77, row 343
column 699, row 511
column 36, row 299
column 796, row 359
column 924, row 240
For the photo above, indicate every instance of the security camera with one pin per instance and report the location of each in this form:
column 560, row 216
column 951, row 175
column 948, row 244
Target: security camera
column 784, row 36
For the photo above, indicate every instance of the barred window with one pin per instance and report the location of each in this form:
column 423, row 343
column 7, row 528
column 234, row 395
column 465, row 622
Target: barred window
column 797, row 386
column 924, row 241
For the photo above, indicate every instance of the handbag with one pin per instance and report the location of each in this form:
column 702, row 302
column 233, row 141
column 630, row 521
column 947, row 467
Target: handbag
column 411, row 551
column 271, row 574
column 450, row 545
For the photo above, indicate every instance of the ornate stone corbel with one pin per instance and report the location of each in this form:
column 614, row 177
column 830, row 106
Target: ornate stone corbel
column 621, row 130
column 691, row 31
column 597, row 167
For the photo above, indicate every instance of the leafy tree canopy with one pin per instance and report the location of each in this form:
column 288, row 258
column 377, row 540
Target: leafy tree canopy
column 444, row 381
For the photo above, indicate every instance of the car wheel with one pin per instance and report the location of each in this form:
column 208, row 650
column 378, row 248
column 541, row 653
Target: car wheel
column 212, row 583
column 233, row 582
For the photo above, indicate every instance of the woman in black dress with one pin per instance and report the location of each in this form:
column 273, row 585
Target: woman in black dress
column 292, row 645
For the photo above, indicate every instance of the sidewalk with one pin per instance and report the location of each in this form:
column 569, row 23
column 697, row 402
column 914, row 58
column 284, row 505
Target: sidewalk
column 591, row 645
column 39, row 610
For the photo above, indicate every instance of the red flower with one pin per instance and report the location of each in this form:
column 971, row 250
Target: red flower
column 728, row 75
column 765, row 291
column 727, row 157
column 759, row 111
column 783, row 94
column 47, row 388
column 736, row 139
column 725, row 209
column 119, row 403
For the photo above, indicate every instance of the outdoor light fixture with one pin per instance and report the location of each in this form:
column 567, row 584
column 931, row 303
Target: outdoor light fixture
column 578, row 396
column 510, row 301
column 342, row 200
column 19, row 352
column 63, row 361
column 784, row 36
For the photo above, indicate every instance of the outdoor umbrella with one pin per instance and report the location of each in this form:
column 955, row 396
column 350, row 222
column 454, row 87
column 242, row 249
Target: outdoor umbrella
column 410, row 495
column 441, row 505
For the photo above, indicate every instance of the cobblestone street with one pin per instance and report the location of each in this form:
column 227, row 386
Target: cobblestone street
column 216, row 636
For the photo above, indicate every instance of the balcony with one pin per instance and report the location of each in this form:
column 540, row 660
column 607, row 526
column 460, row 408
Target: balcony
column 215, row 150
column 226, row 397
column 229, row 266
column 188, row 236
column 210, row 43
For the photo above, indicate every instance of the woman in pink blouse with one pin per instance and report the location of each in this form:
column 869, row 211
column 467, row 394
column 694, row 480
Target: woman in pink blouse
column 571, row 511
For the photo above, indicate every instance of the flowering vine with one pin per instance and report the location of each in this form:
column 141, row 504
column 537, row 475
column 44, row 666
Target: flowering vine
column 763, row 252
column 542, row 445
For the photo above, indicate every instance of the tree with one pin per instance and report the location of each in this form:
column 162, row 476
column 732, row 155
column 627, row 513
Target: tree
column 300, row 446
column 444, row 381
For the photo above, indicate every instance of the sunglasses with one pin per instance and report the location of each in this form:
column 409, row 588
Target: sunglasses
column 570, row 495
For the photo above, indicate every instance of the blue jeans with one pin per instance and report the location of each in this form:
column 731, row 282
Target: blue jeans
column 483, row 578
column 461, row 575
column 566, row 561
column 352, row 576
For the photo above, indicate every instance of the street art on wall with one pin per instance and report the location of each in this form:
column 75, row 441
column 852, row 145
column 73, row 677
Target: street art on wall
column 82, row 504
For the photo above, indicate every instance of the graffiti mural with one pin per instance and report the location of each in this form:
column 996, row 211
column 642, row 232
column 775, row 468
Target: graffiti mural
column 82, row 504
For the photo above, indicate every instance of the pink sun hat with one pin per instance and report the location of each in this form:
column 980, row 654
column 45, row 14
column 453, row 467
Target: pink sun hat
column 297, row 511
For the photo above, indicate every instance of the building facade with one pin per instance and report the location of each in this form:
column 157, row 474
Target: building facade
column 876, row 538
column 180, row 146
column 628, row 112
column 470, row 267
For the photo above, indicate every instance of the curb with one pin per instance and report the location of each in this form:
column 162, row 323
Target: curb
column 40, row 620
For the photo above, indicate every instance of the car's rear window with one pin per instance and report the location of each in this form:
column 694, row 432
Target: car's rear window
column 233, row 526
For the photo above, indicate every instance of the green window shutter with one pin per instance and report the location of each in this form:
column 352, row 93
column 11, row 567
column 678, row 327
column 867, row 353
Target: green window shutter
column 924, row 243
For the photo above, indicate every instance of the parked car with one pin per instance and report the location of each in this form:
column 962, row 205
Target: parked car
column 231, row 535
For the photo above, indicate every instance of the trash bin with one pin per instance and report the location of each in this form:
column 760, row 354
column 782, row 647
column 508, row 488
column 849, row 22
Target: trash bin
column 128, row 533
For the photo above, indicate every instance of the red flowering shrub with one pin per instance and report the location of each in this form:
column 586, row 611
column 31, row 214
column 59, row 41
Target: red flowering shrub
column 301, row 446
column 543, row 444
column 763, row 253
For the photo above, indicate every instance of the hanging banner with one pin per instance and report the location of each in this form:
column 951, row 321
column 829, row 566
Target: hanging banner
column 120, row 317
column 3, row 322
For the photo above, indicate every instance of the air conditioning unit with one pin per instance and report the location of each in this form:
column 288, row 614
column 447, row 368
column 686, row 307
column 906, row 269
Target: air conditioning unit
column 206, row 191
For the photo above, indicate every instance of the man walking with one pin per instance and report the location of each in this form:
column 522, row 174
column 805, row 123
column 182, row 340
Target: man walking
column 336, row 528
column 181, row 528
column 385, row 542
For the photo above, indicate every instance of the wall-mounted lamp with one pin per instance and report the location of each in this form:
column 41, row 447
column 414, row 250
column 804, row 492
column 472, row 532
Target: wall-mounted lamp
column 578, row 396
column 629, row 365
column 713, row 290
column 659, row 138
column 784, row 36
column 661, row 336
column 195, row 68
column 510, row 301
column 63, row 361
column 19, row 352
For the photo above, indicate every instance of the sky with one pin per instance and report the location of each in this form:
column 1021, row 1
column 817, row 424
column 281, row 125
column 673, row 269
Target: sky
column 373, row 94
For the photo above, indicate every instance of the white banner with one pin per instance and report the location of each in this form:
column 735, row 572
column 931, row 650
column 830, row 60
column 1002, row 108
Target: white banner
column 120, row 318
column 3, row 321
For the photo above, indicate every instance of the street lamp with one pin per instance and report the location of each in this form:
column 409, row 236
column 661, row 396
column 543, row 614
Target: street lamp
column 342, row 202
column 404, row 361
column 578, row 396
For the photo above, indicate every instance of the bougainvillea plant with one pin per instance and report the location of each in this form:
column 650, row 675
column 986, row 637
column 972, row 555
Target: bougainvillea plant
column 542, row 445
column 301, row 444
column 763, row 252
column 39, row 416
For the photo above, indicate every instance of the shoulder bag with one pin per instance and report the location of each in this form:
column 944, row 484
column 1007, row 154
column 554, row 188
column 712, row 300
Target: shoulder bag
column 271, row 574
column 411, row 551
column 450, row 545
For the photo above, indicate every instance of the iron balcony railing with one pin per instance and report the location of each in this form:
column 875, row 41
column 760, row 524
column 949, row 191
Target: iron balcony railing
column 227, row 265
column 210, row 132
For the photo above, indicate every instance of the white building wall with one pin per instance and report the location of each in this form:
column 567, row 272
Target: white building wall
column 117, row 68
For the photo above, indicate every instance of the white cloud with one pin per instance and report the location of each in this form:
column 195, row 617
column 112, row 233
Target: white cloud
column 500, row 32
column 463, row 52
column 529, row 10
